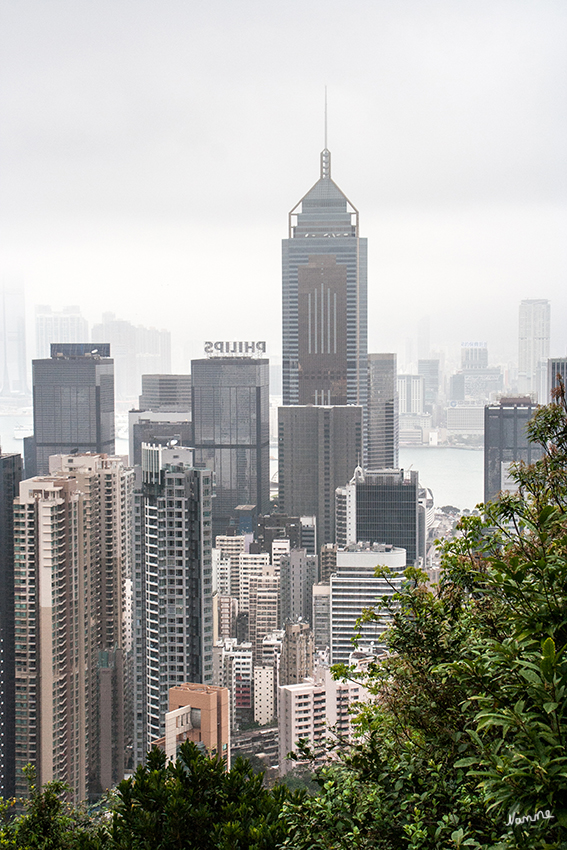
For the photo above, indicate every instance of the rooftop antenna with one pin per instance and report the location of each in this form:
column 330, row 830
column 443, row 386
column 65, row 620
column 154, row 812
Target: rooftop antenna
column 325, row 154
column 325, row 117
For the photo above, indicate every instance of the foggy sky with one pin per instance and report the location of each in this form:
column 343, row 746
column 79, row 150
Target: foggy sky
column 150, row 152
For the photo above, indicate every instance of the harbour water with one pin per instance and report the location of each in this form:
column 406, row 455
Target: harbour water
column 455, row 476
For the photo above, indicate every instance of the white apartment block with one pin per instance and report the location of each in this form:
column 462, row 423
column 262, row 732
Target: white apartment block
column 250, row 566
column 264, row 611
column 233, row 669
column 231, row 547
column 221, row 573
column 264, row 694
column 280, row 546
column 354, row 587
column 310, row 710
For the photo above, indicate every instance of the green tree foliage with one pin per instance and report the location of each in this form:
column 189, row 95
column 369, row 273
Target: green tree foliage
column 464, row 745
column 48, row 821
column 195, row 803
column 190, row 803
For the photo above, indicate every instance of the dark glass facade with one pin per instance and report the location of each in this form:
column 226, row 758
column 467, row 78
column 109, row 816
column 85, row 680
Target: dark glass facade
column 324, row 299
column 387, row 510
column 318, row 449
column 506, row 441
column 10, row 477
column 230, row 403
column 73, row 405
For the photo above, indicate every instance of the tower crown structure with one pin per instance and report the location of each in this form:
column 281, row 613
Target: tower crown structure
column 324, row 298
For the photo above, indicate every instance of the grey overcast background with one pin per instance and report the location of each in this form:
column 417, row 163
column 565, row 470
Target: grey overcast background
column 151, row 150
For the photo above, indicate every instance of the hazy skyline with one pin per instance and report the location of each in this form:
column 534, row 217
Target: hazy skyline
column 150, row 153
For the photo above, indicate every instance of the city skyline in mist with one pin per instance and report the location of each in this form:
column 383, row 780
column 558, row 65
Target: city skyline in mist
column 151, row 153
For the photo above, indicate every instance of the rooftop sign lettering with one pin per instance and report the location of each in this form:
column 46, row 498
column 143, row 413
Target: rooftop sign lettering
column 240, row 348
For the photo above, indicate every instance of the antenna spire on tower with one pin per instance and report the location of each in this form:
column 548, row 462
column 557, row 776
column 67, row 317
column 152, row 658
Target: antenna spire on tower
column 325, row 117
column 325, row 154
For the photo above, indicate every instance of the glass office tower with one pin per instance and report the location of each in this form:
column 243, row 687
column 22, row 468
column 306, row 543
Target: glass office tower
column 73, row 403
column 230, row 402
column 10, row 477
column 324, row 299
column 506, row 442
column 381, row 507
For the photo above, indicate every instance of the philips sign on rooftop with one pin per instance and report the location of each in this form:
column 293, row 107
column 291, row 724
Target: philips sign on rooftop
column 220, row 348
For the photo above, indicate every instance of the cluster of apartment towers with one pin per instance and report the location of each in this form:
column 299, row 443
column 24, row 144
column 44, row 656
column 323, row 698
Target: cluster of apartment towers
column 162, row 597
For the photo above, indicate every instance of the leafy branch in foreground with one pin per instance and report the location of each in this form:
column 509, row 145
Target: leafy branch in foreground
column 464, row 743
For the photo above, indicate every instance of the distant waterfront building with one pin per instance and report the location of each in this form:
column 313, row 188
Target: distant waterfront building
column 354, row 588
column 10, row 477
column 136, row 350
column 324, row 299
column 66, row 325
column 166, row 392
column 173, row 606
column 383, row 413
column 474, row 356
column 230, row 405
column 316, row 450
column 506, row 442
column 73, row 404
column 533, row 348
column 465, row 419
column 70, row 619
column 429, row 371
column 381, row 506
column 13, row 359
column 411, row 393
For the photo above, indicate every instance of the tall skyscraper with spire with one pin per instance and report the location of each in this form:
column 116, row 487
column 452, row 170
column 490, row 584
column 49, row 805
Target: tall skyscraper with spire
column 324, row 299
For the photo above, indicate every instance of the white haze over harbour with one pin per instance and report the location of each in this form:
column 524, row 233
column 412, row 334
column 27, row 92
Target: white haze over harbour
column 151, row 151
column 455, row 476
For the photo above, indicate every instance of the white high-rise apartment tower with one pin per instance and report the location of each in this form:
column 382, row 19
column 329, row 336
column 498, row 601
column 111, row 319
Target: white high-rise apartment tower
column 533, row 350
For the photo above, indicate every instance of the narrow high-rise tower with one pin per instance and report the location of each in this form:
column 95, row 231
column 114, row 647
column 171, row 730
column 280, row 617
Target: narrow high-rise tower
column 383, row 418
column 533, row 347
column 324, row 299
